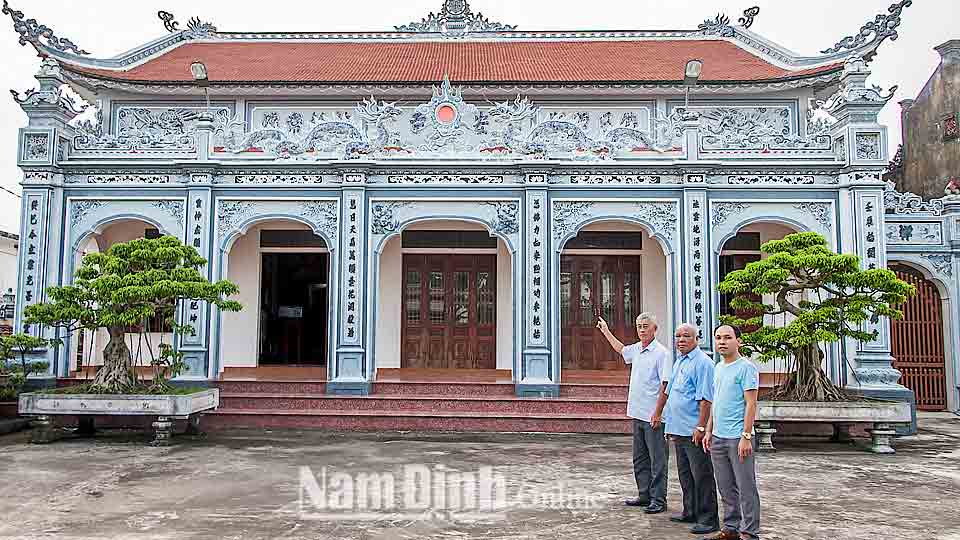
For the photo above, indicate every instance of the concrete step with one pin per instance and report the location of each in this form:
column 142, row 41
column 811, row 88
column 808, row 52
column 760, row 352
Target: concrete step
column 446, row 388
column 354, row 420
column 271, row 386
column 426, row 403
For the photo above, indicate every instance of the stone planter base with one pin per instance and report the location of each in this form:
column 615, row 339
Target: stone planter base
column 881, row 415
column 87, row 407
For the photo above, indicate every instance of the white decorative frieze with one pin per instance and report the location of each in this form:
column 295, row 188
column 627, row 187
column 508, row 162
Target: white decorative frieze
column 172, row 207
column 320, row 214
column 895, row 202
column 868, row 146
column 448, row 125
column 382, row 219
column 778, row 179
column 941, row 262
column 914, row 233
column 822, row 212
column 737, row 128
column 567, row 216
column 661, row 218
column 623, row 179
column 440, row 179
column 36, row 147
column 724, row 210
column 120, row 179
column 80, row 209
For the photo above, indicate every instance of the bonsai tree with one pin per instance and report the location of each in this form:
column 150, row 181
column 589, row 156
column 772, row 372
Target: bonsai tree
column 829, row 298
column 128, row 285
column 16, row 347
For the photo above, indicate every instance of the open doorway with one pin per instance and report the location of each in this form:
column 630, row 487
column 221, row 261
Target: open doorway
column 293, row 309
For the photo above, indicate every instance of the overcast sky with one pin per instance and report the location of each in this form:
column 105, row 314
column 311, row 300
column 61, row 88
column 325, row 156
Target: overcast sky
column 109, row 27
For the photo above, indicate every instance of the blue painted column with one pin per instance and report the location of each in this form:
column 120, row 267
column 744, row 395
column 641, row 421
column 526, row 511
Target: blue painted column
column 350, row 371
column 539, row 372
column 197, row 233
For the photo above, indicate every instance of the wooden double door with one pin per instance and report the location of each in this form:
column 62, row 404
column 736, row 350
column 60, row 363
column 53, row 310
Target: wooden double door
column 607, row 286
column 917, row 343
column 449, row 312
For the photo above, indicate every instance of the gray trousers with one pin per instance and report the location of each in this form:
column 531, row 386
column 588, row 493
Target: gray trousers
column 738, row 487
column 650, row 456
column 695, row 470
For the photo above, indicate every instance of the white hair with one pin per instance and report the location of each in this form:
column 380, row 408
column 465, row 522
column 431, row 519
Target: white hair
column 689, row 326
column 649, row 317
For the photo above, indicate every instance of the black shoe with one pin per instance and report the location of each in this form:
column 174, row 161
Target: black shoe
column 700, row 528
column 655, row 508
column 637, row 502
column 683, row 519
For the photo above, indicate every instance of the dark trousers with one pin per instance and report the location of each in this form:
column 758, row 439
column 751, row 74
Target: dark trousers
column 696, row 481
column 650, row 461
column 738, row 487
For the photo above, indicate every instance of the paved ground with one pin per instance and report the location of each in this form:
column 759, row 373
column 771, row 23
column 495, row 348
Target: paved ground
column 247, row 485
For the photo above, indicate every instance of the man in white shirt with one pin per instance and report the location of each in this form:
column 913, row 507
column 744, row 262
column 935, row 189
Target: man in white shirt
column 649, row 374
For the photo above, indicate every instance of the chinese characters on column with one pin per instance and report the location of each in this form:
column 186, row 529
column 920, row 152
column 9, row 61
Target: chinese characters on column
column 351, row 260
column 536, row 205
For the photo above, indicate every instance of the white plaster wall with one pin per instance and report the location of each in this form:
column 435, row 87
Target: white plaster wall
column 8, row 265
column 240, row 330
column 654, row 287
column 390, row 305
column 390, row 297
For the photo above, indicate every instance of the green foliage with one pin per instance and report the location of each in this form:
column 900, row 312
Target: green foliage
column 128, row 285
column 14, row 365
column 827, row 293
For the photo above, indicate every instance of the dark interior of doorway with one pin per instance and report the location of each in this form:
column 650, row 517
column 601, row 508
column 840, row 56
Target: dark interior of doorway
column 293, row 309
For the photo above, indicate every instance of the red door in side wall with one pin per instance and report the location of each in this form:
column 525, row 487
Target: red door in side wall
column 592, row 284
column 449, row 312
column 917, row 342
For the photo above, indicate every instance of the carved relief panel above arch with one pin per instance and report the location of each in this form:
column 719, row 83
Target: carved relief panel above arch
column 729, row 216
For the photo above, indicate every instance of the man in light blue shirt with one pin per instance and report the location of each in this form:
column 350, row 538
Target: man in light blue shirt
column 689, row 399
column 649, row 373
column 730, row 437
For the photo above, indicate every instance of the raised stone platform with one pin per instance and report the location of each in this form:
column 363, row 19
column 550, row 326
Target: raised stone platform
column 881, row 415
column 87, row 407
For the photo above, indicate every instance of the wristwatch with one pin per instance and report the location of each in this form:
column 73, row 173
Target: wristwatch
column 701, row 429
column 747, row 436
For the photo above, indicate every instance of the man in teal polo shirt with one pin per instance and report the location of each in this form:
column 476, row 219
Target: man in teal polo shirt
column 730, row 437
column 689, row 397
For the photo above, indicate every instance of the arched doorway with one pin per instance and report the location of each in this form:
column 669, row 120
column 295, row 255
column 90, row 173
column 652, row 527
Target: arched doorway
column 143, row 340
column 444, row 299
column 283, row 270
column 917, row 343
column 614, row 270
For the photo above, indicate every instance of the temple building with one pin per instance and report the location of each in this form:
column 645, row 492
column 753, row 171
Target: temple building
column 446, row 208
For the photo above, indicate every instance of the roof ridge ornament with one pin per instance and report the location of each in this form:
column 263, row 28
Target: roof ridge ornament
column 883, row 26
column 33, row 32
column 748, row 15
column 455, row 18
column 720, row 25
column 195, row 27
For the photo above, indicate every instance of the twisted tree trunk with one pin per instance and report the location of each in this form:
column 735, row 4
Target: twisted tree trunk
column 117, row 375
column 807, row 381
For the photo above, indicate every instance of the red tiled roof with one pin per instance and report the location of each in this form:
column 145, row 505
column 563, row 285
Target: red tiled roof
column 462, row 61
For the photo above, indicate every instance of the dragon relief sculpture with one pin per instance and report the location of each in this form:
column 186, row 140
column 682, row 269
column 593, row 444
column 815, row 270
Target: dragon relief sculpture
column 562, row 133
column 754, row 128
column 325, row 136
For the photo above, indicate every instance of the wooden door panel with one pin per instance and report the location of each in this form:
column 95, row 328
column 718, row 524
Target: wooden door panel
column 917, row 342
column 608, row 284
column 456, row 297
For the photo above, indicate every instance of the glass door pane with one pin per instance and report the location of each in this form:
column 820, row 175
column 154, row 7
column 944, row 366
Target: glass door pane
column 438, row 300
column 566, row 290
column 412, row 300
column 461, row 298
column 586, row 298
column 608, row 286
column 486, row 298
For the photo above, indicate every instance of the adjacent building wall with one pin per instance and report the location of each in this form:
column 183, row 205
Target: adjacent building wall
column 928, row 160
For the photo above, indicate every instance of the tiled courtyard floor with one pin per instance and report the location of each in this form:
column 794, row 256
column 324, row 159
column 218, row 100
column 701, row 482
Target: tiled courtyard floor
column 247, row 485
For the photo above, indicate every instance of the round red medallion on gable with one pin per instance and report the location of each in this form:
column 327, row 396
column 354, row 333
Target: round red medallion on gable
column 446, row 113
